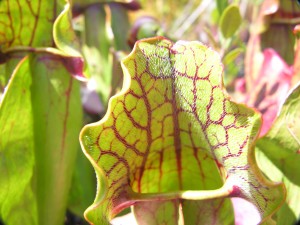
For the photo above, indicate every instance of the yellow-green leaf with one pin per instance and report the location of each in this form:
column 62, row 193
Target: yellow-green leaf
column 63, row 34
column 232, row 55
column 23, row 23
column 57, row 116
column 40, row 117
column 230, row 20
column 278, row 155
column 173, row 133
column 17, row 201
column 40, row 114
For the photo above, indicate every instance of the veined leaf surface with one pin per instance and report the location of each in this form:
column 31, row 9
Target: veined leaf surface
column 57, row 120
column 278, row 155
column 40, row 112
column 38, row 152
column 173, row 133
column 16, row 148
column 22, row 23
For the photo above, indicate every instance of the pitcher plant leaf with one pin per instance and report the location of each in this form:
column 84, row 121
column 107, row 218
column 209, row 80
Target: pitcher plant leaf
column 173, row 133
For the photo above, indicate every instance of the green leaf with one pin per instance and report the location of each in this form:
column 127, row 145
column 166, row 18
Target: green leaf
column 215, row 211
column 120, row 26
column 47, row 121
column 232, row 55
column 7, row 68
column 64, row 35
column 221, row 5
column 24, row 23
column 83, row 185
column 96, row 50
column 24, row 27
column 44, row 36
column 57, row 120
column 232, row 66
column 155, row 213
column 38, row 149
column 279, row 156
column 230, row 21
column 17, row 201
column 218, row 211
column 67, row 44
column 172, row 133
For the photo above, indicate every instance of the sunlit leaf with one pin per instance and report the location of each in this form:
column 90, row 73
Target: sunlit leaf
column 65, row 40
column 57, row 120
column 172, row 133
column 221, row 5
column 63, row 34
column 230, row 20
column 24, row 22
column 40, row 119
column 7, row 68
column 40, row 31
column 279, row 156
column 96, row 49
column 54, row 111
column 17, row 201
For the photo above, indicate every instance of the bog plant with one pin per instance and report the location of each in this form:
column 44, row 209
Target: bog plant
column 175, row 143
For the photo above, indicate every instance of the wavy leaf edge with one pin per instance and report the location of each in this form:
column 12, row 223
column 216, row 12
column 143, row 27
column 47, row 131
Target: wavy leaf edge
column 227, row 190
